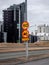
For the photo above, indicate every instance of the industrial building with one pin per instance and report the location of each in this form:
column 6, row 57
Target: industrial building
column 1, row 32
column 13, row 18
column 33, row 38
column 1, row 37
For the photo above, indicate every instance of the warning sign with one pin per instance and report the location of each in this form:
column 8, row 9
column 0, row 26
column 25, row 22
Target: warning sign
column 25, row 33
column 25, row 39
column 25, row 25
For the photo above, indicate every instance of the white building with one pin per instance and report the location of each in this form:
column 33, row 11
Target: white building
column 43, row 32
column 43, row 29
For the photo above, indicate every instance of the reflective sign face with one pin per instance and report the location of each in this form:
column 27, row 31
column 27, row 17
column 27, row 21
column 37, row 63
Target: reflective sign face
column 25, row 33
column 25, row 25
column 25, row 39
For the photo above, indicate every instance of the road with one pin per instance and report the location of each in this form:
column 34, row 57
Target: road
column 20, row 54
column 38, row 62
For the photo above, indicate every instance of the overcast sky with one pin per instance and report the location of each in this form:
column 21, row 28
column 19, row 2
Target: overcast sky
column 38, row 10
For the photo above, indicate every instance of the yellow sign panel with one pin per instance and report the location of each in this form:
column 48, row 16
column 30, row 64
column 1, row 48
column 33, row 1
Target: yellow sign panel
column 25, row 25
column 25, row 39
column 25, row 33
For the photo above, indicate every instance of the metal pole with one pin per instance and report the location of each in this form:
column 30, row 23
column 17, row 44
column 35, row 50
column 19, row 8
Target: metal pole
column 14, row 13
column 26, row 50
column 19, row 25
column 14, row 23
column 5, row 37
column 26, row 20
column 25, row 10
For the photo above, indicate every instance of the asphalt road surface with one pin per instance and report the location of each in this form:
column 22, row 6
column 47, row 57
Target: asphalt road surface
column 20, row 54
column 38, row 62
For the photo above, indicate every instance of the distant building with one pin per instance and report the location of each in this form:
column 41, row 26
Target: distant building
column 35, row 32
column 13, row 18
column 33, row 38
column 1, row 32
column 32, row 33
column 43, row 28
column 1, row 26
column 1, row 37
column 43, row 32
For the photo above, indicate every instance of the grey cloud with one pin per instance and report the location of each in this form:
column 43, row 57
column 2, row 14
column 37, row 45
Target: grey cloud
column 45, row 2
column 6, row 3
column 38, row 10
column 36, row 2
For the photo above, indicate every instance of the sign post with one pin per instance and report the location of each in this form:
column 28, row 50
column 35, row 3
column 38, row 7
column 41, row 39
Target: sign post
column 24, row 26
column 25, row 36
